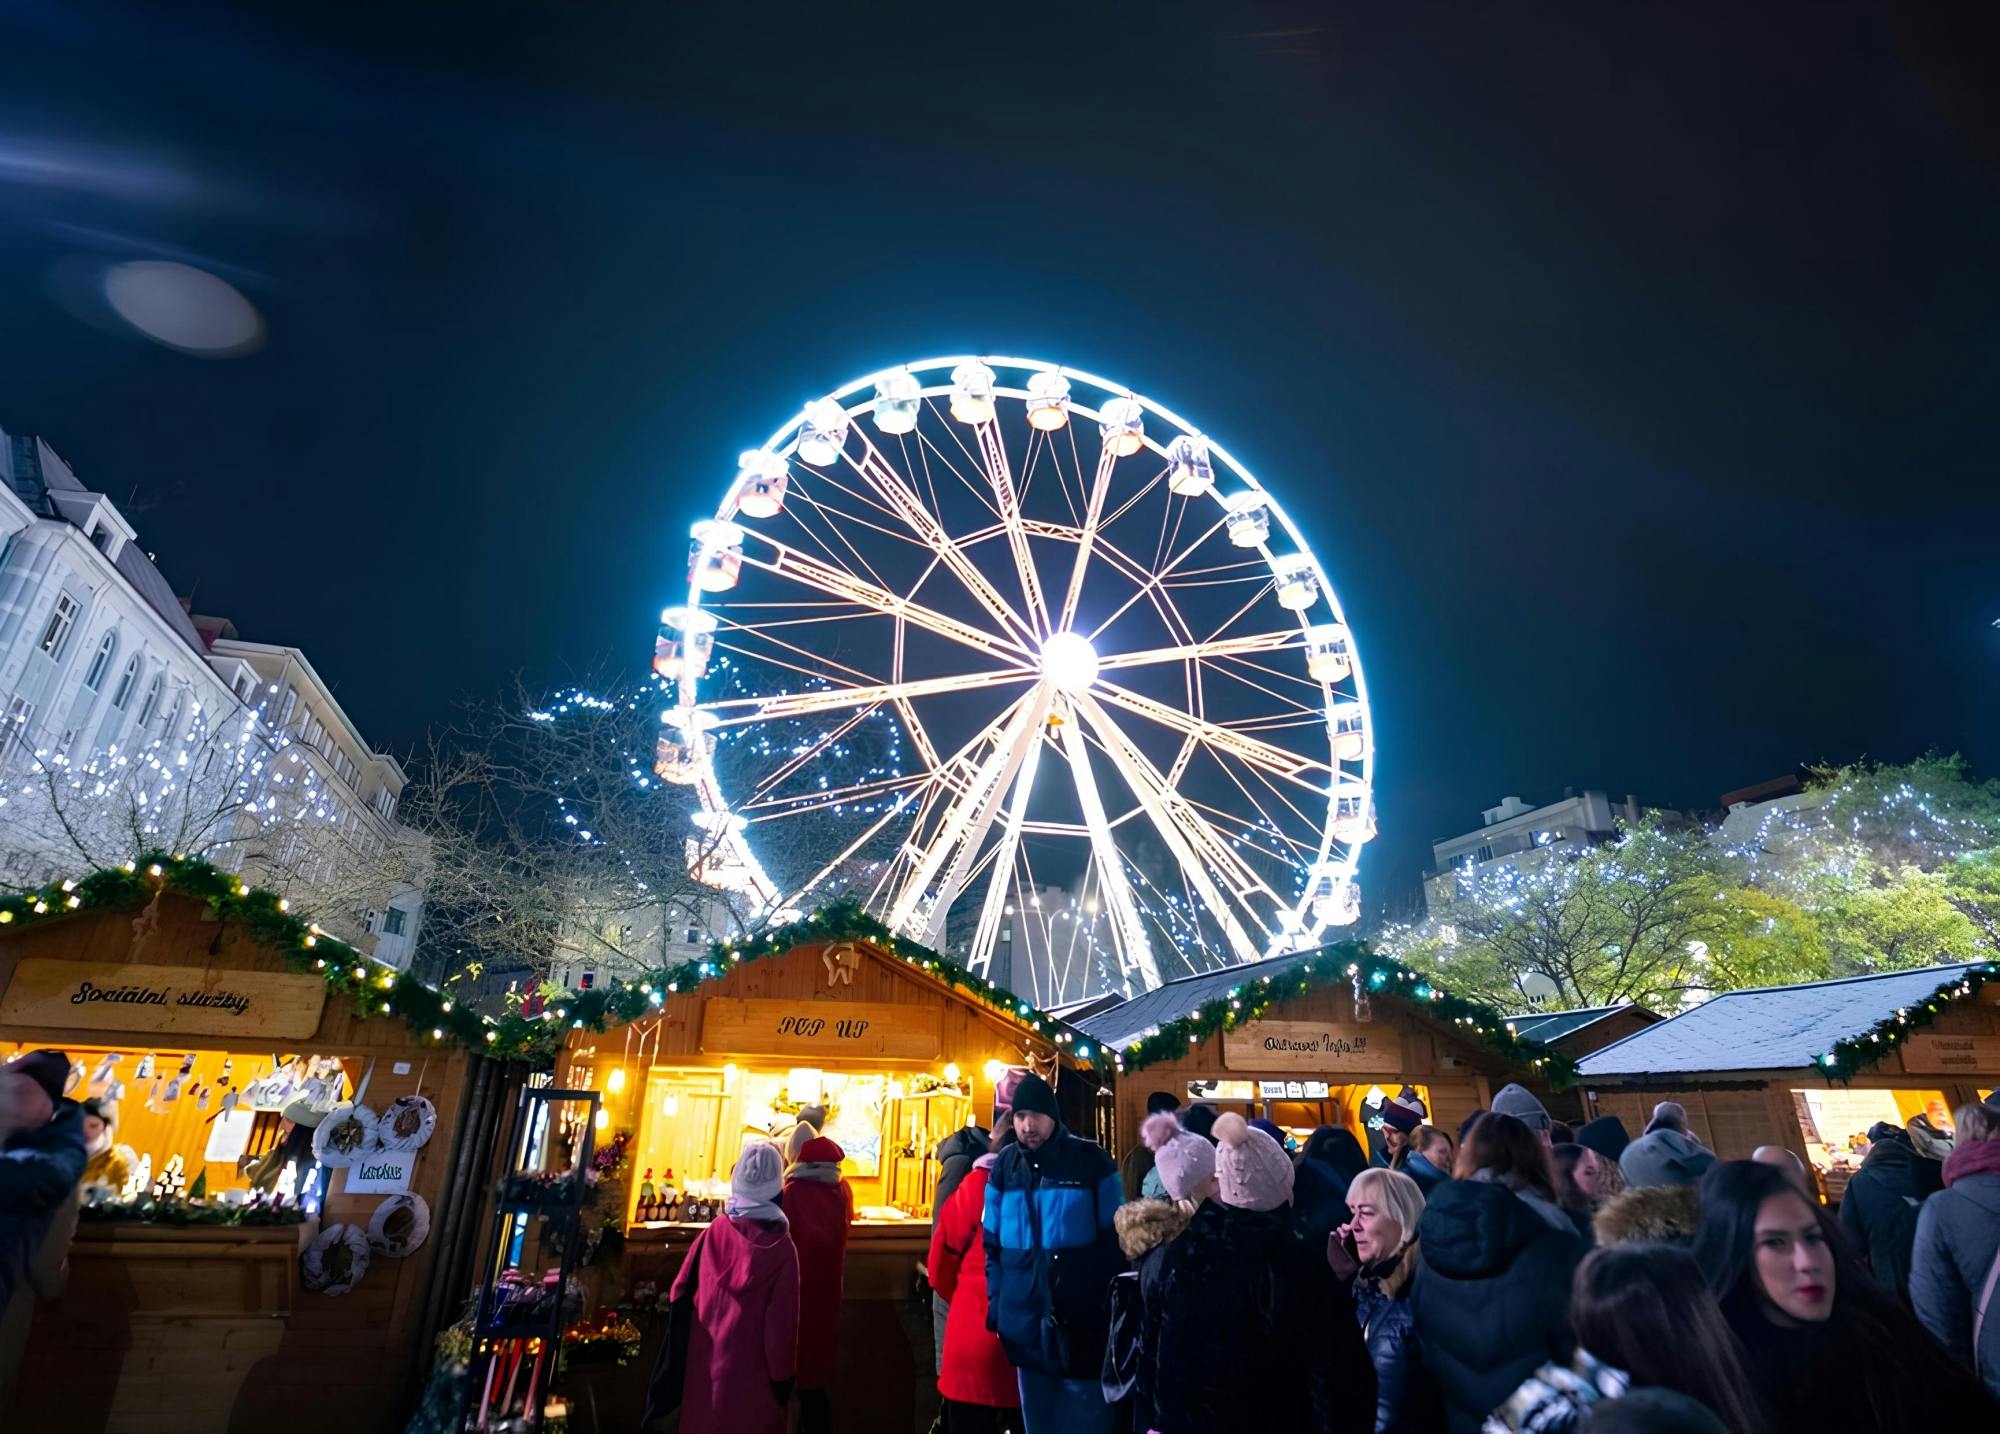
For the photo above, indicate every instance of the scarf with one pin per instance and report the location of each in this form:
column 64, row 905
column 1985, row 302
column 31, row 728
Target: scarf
column 1973, row 1157
column 827, row 1172
column 1389, row 1274
column 755, row 1210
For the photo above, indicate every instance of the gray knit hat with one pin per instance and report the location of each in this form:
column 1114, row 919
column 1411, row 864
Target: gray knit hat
column 1519, row 1102
column 1666, row 1157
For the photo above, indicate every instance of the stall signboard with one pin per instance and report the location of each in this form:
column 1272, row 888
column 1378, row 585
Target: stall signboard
column 379, row 1172
column 162, row 1000
column 1951, row 1055
column 1311, row 1046
column 820, row 1030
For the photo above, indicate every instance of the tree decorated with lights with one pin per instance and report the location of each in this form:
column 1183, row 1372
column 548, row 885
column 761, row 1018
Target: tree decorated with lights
column 1873, row 868
column 226, row 786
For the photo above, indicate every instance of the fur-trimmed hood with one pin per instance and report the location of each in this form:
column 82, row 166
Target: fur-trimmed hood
column 1651, row 1213
column 1147, row 1224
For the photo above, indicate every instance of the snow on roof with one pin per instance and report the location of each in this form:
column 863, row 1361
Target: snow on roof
column 1771, row 1027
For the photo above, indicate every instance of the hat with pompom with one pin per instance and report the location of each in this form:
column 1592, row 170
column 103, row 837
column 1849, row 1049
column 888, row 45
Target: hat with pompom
column 1251, row 1168
column 1185, row 1161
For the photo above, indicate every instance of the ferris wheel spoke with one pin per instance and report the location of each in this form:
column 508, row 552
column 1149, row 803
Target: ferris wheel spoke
column 963, row 824
column 1173, row 822
column 930, row 530
column 1093, row 517
column 993, row 459
column 1211, row 649
column 736, row 710
column 992, row 907
column 1135, row 943
column 762, row 808
column 1292, row 766
column 802, row 567
column 1159, row 577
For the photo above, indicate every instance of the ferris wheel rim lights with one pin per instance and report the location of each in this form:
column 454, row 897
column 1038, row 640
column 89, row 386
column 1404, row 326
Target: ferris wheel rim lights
column 818, row 435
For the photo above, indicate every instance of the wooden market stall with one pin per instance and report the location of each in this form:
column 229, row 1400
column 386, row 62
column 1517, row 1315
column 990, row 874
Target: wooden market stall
column 898, row 1049
column 190, row 1015
column 1314, row 1039
column 1812, row 1066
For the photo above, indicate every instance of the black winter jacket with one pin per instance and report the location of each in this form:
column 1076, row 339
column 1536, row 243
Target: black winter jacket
column 1319, row 1202
column 1146, row 1230
column 1255, row 1335
column 1406, row 1399
column 1491, row 1299
column 1879, row 1211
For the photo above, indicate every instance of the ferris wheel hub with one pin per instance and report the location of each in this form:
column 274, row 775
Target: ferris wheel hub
column 1069, row 662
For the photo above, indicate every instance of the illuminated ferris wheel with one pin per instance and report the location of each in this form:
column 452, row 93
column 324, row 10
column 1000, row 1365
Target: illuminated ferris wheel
column 972, row 631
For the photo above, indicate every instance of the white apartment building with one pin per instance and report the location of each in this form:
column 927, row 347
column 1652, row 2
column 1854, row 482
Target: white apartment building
column 104, row 674
column 625, row 945
column 1516, row 834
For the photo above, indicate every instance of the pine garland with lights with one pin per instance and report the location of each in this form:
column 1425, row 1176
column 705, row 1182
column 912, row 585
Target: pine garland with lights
column 1856, row 1052
column 1343, row 964
column 536, row 1032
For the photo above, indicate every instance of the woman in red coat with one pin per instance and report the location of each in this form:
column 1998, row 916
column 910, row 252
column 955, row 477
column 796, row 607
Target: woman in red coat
column 820, row 1206
column 981, row 1395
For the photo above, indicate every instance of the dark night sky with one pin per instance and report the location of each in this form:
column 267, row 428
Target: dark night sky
column 1633, row 369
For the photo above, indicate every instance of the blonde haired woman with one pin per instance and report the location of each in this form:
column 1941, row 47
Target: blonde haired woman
column 1377, row 1251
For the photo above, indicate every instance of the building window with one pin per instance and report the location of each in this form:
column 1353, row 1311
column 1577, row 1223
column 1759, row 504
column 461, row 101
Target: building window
column 693, row 935
column 586, row 981
column 14, row 736
column 100, row 663
column 125, row 681
column 173, row 722
column 151, row 702
column 290, row 705
column 55, row 637
column 392, row 922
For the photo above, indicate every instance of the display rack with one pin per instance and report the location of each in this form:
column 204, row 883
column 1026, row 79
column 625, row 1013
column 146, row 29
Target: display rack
column 517, row 1340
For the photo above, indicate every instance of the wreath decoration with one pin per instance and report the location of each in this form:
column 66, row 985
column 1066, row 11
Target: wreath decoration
column 400, row 1224
column 347, row 1134
column 335, row 1261
column 407, row 1123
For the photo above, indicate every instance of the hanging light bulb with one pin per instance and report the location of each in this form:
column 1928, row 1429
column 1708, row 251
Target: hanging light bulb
column 617, row 1081
column 602, row 1119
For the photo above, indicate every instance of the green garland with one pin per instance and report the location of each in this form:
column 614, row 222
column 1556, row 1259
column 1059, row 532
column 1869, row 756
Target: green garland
column 1342, row 964
column 189, row 1213
column 1850, row 1055
column 536, row 1032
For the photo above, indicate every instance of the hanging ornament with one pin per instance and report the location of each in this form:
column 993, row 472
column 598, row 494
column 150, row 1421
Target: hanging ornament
column 345, row 1135
column 401, row 1223
column 201, row 1098
column 1364, row 1011
column 145, row 1070
column 334, row 1263
column 187, row 1065
column 407, row 1123
column 172, row 1092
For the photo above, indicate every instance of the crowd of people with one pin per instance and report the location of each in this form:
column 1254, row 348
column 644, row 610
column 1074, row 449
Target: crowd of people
column 1516, row 1275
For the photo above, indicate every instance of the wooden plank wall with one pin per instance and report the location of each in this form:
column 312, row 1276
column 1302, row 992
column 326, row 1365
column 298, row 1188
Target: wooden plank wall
column 99, row 1358
column 1461, row 1075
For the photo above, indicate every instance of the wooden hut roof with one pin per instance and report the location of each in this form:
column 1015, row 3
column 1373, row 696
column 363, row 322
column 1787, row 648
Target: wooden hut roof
column 1776, row 1027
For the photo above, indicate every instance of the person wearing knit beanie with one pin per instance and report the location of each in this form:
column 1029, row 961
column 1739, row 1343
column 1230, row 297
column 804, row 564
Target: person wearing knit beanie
column 1665, row 1157
column 1606, row 1135
column 1667, row 1115
column 1519, row 1102
column 756, row 1183
column 1251, row 1169
column 1186, row 1163
column 1135, row 1167
column 47, row 1069
column 1199, row 1119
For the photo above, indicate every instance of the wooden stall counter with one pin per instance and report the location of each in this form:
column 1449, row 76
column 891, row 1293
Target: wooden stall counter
column 882, row 1255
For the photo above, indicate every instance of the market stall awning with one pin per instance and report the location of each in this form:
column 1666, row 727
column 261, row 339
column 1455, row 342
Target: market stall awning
column 1779, row 1027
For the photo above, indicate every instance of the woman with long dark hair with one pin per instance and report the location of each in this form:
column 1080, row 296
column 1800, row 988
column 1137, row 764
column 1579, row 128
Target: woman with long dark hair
column 1826, row 1346
column 1644, row 1319
column 1495, row 1257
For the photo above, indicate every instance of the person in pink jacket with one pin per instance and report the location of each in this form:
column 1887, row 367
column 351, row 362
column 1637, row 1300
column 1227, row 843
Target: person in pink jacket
column 743, row 1350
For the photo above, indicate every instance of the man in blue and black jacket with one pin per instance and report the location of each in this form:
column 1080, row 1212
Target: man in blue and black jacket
column 1051, row 1253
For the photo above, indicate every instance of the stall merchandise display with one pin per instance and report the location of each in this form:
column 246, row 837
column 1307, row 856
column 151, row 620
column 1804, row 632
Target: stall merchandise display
column 335, row 1261
column 400, row 1224
column 407, row 1123
column 344, row 1136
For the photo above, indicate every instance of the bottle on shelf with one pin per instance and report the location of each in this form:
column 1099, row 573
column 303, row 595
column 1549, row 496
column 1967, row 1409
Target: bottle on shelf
column 648, row 1197
column 669, row 1197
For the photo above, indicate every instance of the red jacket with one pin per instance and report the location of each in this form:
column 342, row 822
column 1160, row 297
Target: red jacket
column 746, row 1328
column 975, row 1368
column 820, row 1212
